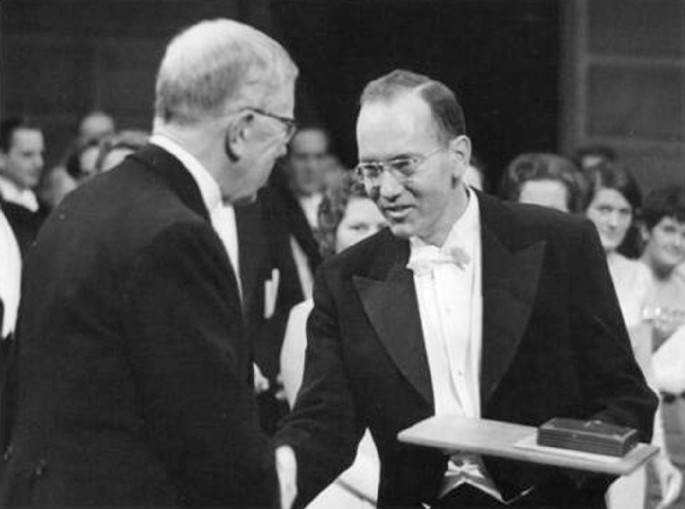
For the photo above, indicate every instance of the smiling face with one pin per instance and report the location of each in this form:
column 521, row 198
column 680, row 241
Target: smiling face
column 427, row 203
column 612, row 215
column 665, row 248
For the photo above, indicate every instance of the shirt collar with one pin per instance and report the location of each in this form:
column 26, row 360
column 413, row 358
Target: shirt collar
column 11, row 193
column 464, row 232
column 209, row 189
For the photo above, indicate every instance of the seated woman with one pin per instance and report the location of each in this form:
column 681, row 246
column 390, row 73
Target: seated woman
column 543, row 179
column 346, row 216
column 611, row 204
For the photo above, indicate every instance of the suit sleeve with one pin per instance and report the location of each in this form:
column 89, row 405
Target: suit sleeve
column 613, row 385
column 323, row 428
column 191, row 361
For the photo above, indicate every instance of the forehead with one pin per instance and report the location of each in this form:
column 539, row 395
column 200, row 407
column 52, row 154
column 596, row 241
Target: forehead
column 24, row 139
column 309, row 140
column 611, row 197
column 400, row 125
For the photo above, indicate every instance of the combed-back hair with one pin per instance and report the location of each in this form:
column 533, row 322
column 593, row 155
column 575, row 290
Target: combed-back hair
column 216, row 66
column 443, row 103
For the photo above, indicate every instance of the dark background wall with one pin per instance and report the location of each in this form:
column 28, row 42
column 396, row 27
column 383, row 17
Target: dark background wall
column 532, row 74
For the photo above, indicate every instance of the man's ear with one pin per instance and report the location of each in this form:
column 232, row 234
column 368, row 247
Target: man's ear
column 460, row 149
column 237, row 133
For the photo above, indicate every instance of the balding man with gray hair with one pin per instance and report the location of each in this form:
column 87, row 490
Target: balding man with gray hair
column 134, row 374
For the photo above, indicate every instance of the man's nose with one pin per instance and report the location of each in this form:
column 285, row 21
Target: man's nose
column 389, row 187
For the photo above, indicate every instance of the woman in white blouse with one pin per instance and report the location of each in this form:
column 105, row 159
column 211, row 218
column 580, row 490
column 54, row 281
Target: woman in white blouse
column 612, row 202
column 346, row 216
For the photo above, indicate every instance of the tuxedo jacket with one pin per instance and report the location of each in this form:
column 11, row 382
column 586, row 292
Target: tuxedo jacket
column 134, row 371
column 553, row 345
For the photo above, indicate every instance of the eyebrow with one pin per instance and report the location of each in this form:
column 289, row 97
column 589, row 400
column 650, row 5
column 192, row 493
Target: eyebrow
column 397, row 156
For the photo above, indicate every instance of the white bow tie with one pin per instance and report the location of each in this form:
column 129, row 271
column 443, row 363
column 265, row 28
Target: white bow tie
column 424, row 259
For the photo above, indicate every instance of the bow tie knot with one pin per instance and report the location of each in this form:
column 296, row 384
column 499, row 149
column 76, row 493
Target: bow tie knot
column 425, row 258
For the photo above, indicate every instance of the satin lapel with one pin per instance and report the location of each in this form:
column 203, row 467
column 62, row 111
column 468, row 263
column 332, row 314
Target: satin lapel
column 391, row 306
column 510, row 283
column 175, row 174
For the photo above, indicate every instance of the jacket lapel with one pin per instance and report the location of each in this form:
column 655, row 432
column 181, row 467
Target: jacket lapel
column 510, row 279
column 175, row 174
column 252, row 248
column 389, row 300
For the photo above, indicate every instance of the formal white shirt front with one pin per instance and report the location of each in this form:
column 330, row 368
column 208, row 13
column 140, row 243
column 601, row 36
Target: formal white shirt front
column 222, row 214
column 451, row 309
column 10, row 277
column 11, row 193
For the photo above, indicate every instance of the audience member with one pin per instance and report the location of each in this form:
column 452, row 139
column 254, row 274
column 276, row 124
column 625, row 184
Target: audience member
column 543, row 179
column 134, row 370
column 293, row 198
column 22, row 150
column 663, row 231
column 538, row 335
column 346, row 216
column 613, row 200
column 10, row 279
column 114, row 148
column 590, row 155
column 95, row 125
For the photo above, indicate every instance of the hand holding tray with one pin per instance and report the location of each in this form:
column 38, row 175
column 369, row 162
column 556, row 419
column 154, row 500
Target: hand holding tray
column 453, row 433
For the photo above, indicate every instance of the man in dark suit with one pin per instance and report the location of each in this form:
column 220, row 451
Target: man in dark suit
column 467, row 306
column 134, row 371
column 22, row 150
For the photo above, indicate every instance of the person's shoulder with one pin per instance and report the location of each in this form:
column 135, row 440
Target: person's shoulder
column 364, row 255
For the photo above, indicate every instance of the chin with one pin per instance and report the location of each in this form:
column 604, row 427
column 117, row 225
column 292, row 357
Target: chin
column 246, row 200
column 401, row 230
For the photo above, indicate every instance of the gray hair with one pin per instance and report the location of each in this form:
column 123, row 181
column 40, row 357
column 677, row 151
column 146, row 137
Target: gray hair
column 215, row 66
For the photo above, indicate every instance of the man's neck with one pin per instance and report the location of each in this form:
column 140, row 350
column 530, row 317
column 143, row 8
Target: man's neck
column 194, row 141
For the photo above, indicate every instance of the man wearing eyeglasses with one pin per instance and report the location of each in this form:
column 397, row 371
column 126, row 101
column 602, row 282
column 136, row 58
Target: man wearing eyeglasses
column 466, row 305
column 134, row 370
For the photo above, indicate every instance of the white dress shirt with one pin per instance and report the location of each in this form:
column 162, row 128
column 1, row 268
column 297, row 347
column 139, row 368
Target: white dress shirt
column 310, row 207
column 13, row 194
column 448, row 291
column 222, row 214
column 10, row 276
